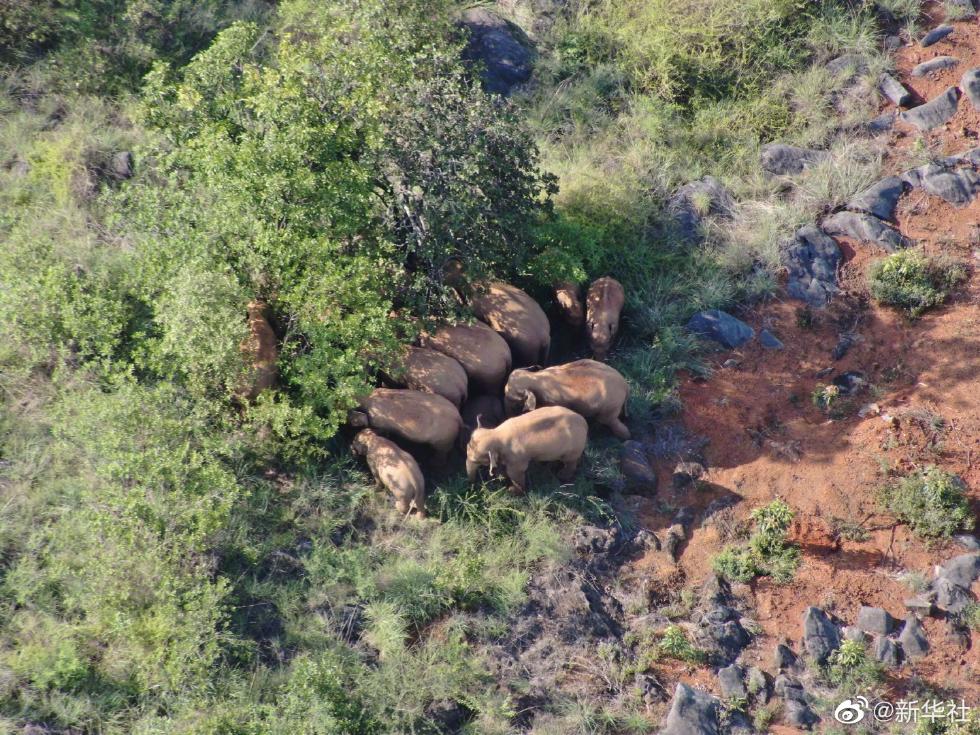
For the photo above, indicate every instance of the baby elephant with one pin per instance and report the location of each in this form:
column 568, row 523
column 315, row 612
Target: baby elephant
column 393, row 468
column 603, row 305
column 591, row 389
column 546, row 435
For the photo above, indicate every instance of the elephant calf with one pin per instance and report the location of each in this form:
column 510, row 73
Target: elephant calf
column 603, row 305
column 422, row 418
column 591, row 389
column 545, row 435
column 568, row 297
column 518, row 318
column 393, row 468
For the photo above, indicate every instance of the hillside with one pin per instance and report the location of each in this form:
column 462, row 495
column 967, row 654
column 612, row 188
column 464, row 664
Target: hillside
column 223, row 223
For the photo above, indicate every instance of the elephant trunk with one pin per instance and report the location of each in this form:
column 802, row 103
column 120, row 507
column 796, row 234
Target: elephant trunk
column 471, row 469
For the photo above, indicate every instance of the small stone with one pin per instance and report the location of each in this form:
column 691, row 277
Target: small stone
column 781, row 159
column 875, row 620
column 853, row 633
column 935, row 112
column 730, row 681
column 686, row 474
column 820, row 635
column 933, row 65
column 784, row 658
column 936, row 34
column 639, row 474
column 887, row 652
column 913, row 638
column 758, row 684
column 721, row 327
column 894, row 90
column 769, row 340
column 881, row 124
column 892, row 43
column 919, row 604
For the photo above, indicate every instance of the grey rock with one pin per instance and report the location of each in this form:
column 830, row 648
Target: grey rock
column 913, row 638
column 956, row 186
column 758, row 684
column 881, row 124
column 121, row 165
column 694, row 200
column 935, row 112
column 950, row 596
column 936, row 34
column 781, row 159
column 789, row 688
column 497, row 46
column 847, row 66
column 865, row 228
column 684, row 517
column 820, row 634
column 645, row 540
column 894, row 90
column 875, row 620
column 962, row 570
column 938, row 63
column 921, row 604
column 784, row 658
column 892, row 43
column 970, row 84
column 967, row 541
column 769, row 340
column 691, row 713
column 721, row 327
column 650, row 690
column 724, row 640
column 853, row 633
column 686, row 474
column 887, row 652
column 731, row 682
column 879, row 199
column 595, row 540
column 633, row 463
column 798, row 714
column 812, row 260
column 842, row 347
column 849, row 382
column 673, row 539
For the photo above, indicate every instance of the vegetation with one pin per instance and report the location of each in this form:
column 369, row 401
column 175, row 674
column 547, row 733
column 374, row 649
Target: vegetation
column 913, row 282
column 931, row 501
column 767, row 554
column 852, row 669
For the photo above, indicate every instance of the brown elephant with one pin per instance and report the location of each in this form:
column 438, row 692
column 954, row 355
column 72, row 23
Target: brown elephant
column 482, row 352
column 480, row 411
column 517, row 318
column 603, row 305
column 393, row 468
column 421, row 418
column 592, row 389
column 433, row 372
column 546, row 434
column 260, row 353
column 568, row 297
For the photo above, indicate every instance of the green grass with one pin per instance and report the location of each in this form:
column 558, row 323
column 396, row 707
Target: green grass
column 931, row 501
column 767, row 553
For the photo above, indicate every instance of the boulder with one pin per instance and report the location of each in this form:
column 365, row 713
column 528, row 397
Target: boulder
column 955, row 185
column 962, row 570
column 633, row 463
column 875, row 620
column 852, row 633
column 935, row 112
column 865, row 228
column 789, row 688
column 932, row 65
column 821, row 636
column 758, row 684
column 781, row 159
column 936, row 35
column 970, row 84
column 879, row 199
column 894, row 90
column 721, row 327
column 731, row 682
column 784, row 658
column 498, row 47
column 693, row 201
column 121, row 165
column 967, row 541
column 798, row 714
column 686, row 474
column 812, row 260
column 887, row 652
column 691, row 713
column 951, row 597
column 769, row 340
column 913, row 638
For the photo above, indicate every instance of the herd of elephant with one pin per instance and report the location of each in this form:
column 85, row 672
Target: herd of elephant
column 458, row 387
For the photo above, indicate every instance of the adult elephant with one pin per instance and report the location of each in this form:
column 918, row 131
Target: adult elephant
column 482, row 352
column 518, row 318
column 431, row 371
column 420, row 418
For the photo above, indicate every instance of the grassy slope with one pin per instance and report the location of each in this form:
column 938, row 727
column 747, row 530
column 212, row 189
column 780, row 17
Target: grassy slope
column 233, row 623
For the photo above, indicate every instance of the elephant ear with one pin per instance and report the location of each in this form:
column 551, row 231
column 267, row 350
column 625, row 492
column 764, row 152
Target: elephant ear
column 530, row 401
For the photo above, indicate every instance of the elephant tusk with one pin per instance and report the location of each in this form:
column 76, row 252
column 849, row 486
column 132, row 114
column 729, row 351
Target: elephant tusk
column 490, row 457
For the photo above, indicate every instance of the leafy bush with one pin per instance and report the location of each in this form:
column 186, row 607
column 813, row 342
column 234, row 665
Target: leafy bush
column 932, row 501
column 767, row 553
column 852, row 669
column 913, row 282
column 674, row 643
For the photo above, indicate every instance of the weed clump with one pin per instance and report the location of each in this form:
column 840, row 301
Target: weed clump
column 767, row 554
column 913, row 282
column 851, row 667
column 931, row 501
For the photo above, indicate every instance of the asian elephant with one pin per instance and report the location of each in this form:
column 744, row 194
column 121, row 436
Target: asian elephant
column 480, row 411
column 592, row 389
column 260, row 353
column 517, row 318
column 603, row 305
column 482, row 352
column 393, row 468
column 430, row 371
column 568, row 297
column 546, row 434
column 421, row 418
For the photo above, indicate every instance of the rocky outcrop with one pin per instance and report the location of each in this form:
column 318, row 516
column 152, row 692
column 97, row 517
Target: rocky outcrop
column 865, row 228
column 821, row 636
column 812, row 260
column 690, row 204
column 935, row 112
column 499, row 48
column 720, row 327
column 692, row 713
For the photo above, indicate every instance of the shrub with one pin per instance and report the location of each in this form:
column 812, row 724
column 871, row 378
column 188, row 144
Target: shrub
column 913, row 282
column 852, row 669
column 674, row 643
column 767, row 553
column 931, row 501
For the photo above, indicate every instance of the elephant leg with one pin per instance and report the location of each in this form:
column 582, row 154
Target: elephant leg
column 618, row 428
column 569, row 466
column 517, row 474
column 403, row 506
column 441, row 455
